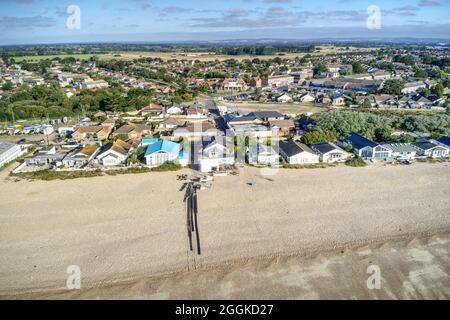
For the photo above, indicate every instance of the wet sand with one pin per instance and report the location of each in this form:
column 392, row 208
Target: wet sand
column 128, row 235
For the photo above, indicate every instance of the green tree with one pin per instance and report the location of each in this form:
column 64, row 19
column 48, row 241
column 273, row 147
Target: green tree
column 439, row 89
column 383, row 134
column 393, row 86
column 420, row 72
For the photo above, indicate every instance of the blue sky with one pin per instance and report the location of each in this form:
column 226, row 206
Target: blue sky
column 44, row 21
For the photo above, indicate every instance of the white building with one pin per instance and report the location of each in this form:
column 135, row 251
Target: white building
column 9, row 152
column 329, row 152
column 114, row 154
column 402, row 151
column 431, row 149
column 262, row 154
column 297, row 153
column 214, row 155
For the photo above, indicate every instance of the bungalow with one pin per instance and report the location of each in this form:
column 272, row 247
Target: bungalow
column 133, row 131
column 81, row 156
column 151, row 110
column 284, row 98
column 284, row 127
column 196, row 130
column 165, row 151
column 8, row 152
column 214, row 155
column 412, row 87
column 251, row 130
column 174, row 109
column 297, row 153
column 267, row 116
column 91, row 133
column 329, row 152
column 232, row 119
column 170, row 124
column 402, row 151
column 307, row 97
column 431, row 149
column 115, row 153
column 366, row 148
column 194, row 112
column 44, row 157
column 339, row 99
column 262, row 154
column 422, row 101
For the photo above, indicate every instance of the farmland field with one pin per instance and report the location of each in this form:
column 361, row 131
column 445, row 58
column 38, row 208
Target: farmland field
column 202, row 56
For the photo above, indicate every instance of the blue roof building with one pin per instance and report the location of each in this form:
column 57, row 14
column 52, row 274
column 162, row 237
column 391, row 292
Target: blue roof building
column 164, row 151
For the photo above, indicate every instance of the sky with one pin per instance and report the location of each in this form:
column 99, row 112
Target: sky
column 45, row 21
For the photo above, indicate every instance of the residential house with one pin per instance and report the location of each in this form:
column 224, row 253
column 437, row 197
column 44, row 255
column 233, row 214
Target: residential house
column 284, row 98
column 214, row 155
column 91, row 133
column 263, row 154
column 402, row 151
column 195, row 112
column 339, row 99
column 165, row 151
column 152, row 110
column 431, row 149
column 174, row 109
column 297, row 153
column 196, row 130
column 267, row 116
column 329, row 152
column 170, row 124
column 114, row 154
column 94, row 84
column 283, row 127
column 133, row 131
column 412, row 87
column 366, row 148
column 278, row 81
column 81, row 156
column 8, row 152
column 307, row 97
column 44, row 157
column 422, row 101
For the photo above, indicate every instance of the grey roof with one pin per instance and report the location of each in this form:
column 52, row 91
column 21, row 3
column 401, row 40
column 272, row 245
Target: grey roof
column 266, row 114
column 424, row 145
column 401, row 147
column 5, row 146
column 291, row 148
column 325, row 147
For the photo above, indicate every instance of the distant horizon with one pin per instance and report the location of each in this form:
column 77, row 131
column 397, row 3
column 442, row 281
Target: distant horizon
column 25, row 22
column 254, row 41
